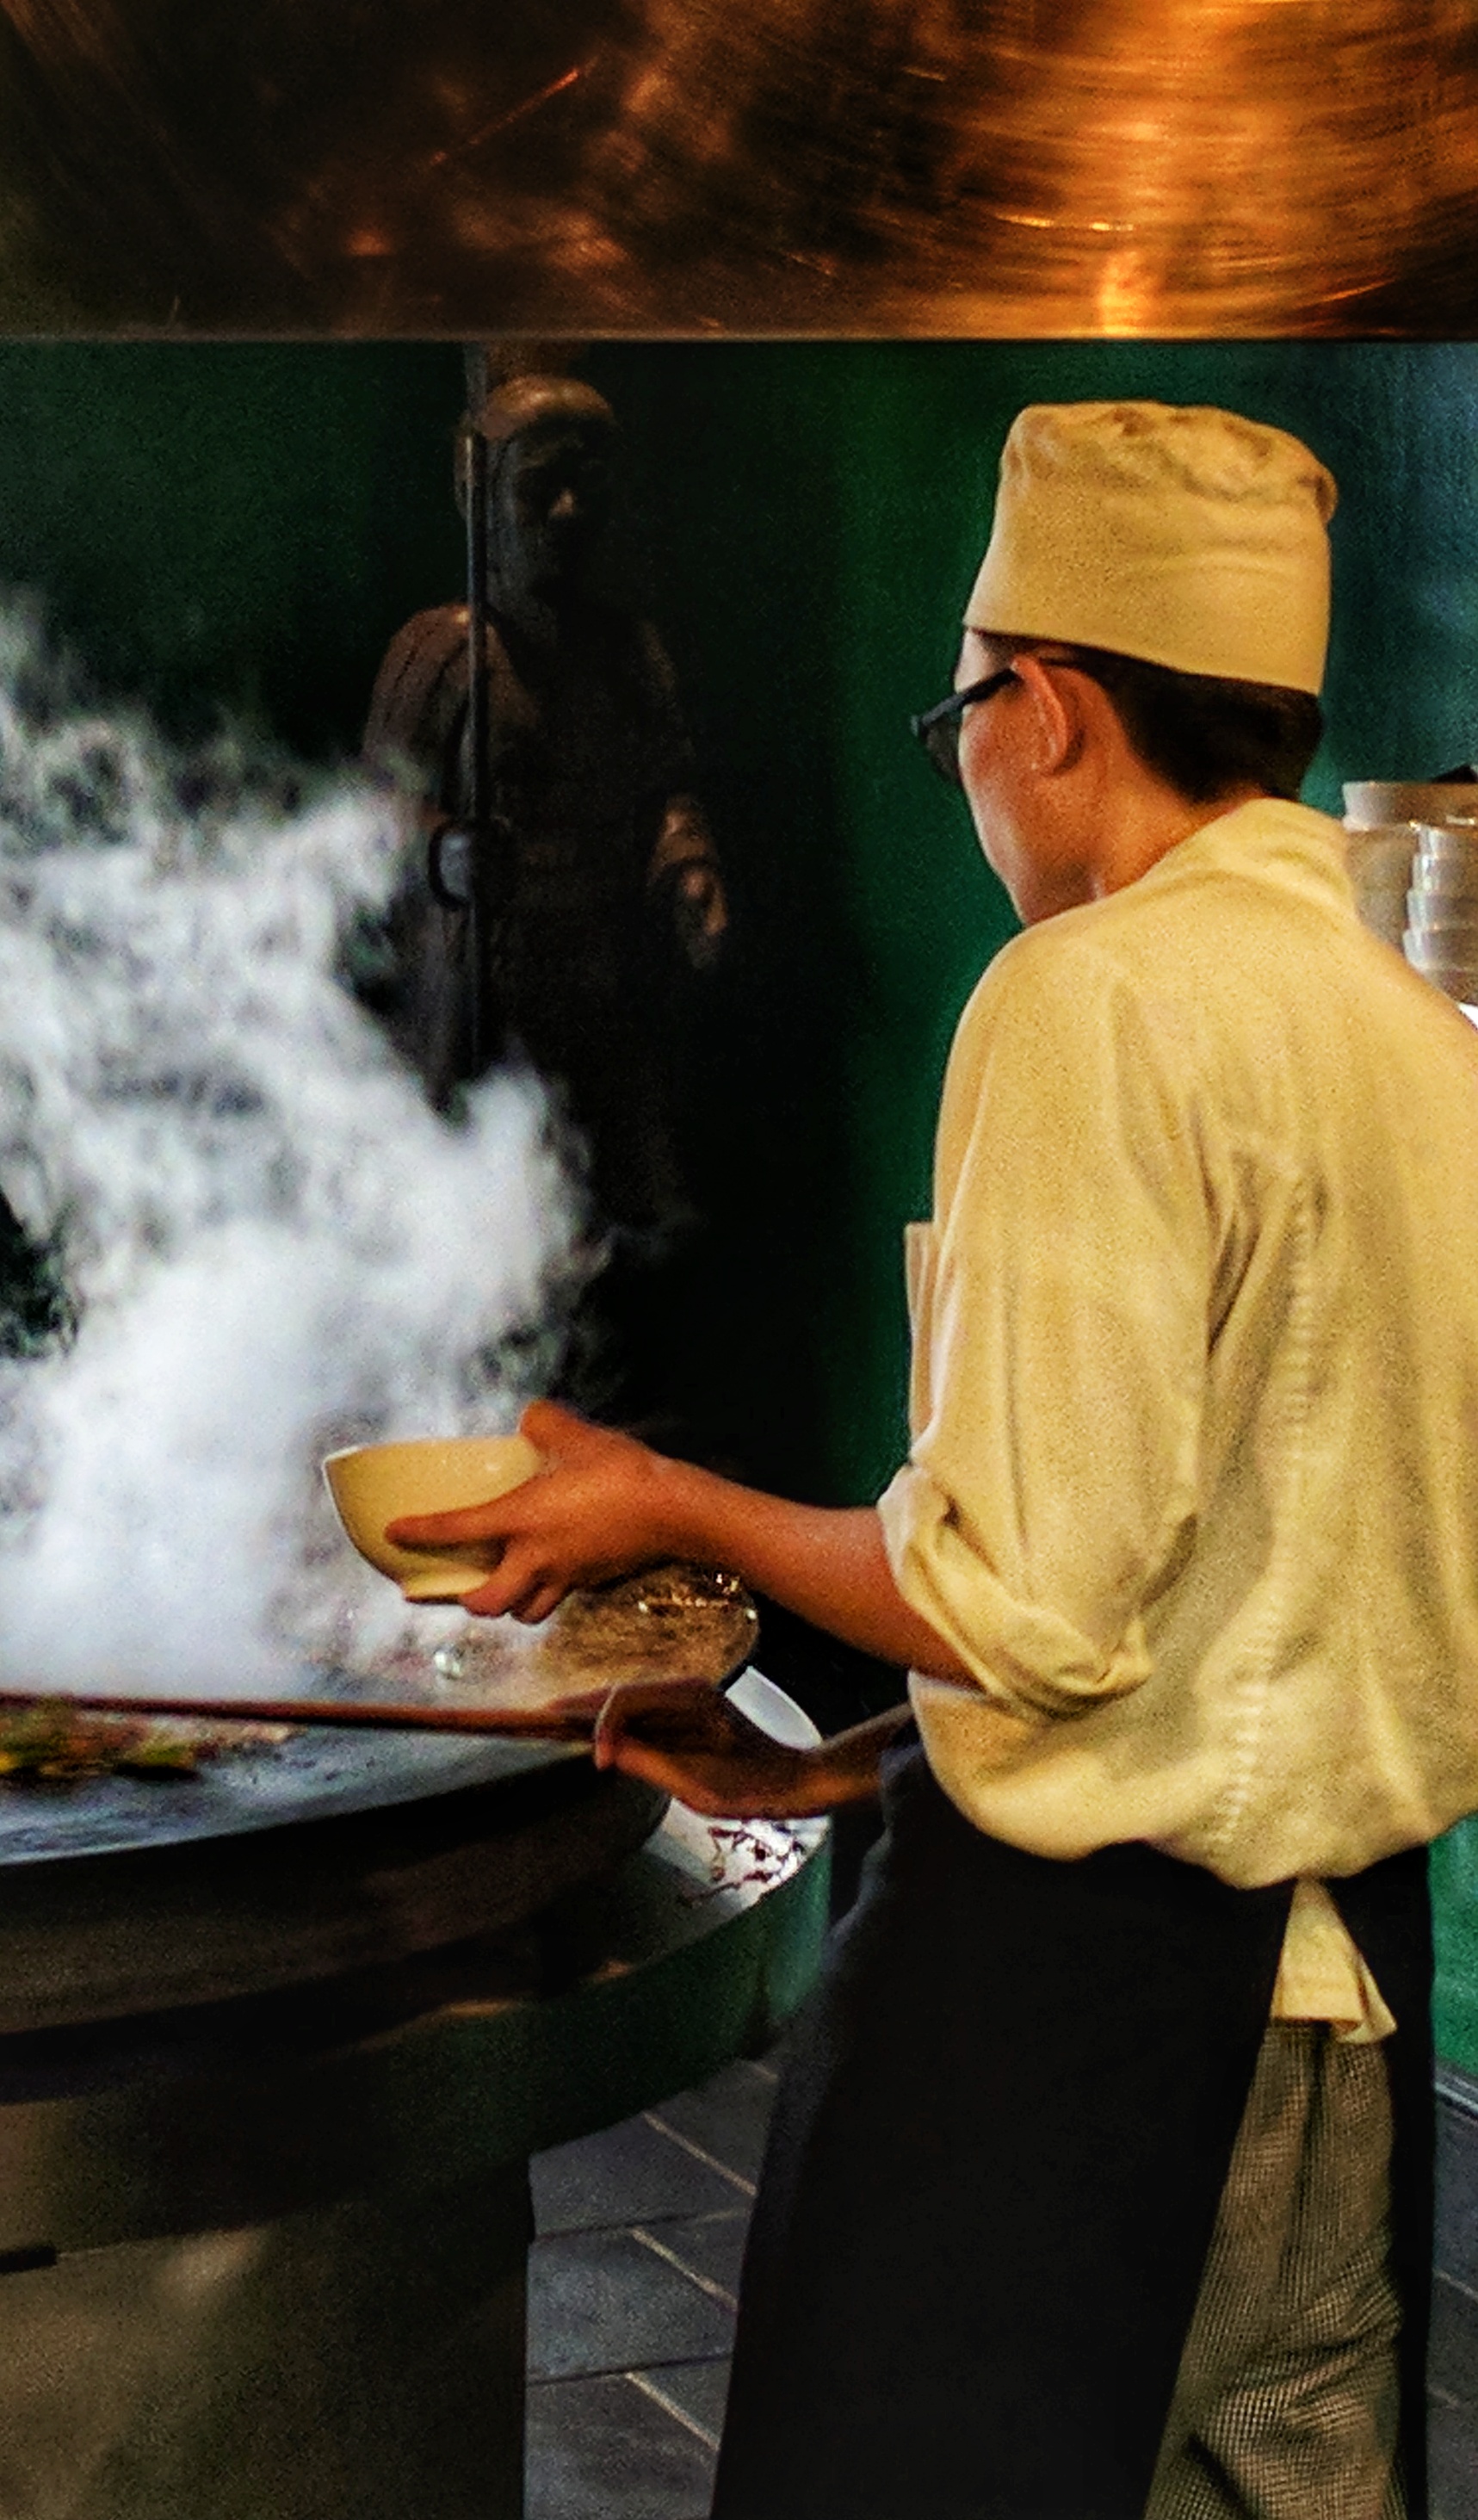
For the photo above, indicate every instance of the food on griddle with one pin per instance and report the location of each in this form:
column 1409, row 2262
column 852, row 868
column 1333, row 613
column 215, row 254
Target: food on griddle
column 692, row 1618
column 672, row 1621
column 54, row 1743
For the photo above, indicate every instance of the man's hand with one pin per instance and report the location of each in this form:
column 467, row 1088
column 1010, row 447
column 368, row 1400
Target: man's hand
column 685, row 1736
column 602, row 1505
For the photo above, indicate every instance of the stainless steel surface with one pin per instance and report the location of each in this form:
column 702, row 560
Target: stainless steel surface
column 1441, row 939
column 1445, row 855
column 1119, row 166
column 1373, row 804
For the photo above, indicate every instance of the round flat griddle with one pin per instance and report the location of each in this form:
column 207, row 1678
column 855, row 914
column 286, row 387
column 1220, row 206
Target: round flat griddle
column 302, row 1781
column 327, row 1850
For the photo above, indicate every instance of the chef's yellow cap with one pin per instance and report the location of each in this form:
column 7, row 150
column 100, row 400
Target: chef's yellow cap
column 1188, row 536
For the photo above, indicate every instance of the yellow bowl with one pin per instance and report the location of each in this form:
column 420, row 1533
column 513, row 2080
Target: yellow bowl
column 371, row 1484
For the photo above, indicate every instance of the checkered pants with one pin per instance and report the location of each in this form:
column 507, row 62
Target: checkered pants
column 1287, row 2403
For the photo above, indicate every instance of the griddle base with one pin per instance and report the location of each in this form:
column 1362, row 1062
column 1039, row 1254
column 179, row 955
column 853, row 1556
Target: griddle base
column 366, row 2359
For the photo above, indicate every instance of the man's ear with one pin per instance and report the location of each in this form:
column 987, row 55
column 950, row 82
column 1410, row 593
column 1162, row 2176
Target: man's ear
column 1057, row 715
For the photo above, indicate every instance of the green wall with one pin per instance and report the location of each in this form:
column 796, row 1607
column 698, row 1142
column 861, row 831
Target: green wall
column 242, row 527
column 227, row 526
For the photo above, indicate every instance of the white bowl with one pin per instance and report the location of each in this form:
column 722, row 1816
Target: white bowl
column 371, row 1484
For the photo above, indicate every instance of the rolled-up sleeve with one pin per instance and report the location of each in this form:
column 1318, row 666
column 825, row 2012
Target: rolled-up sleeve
column 1060, row 1302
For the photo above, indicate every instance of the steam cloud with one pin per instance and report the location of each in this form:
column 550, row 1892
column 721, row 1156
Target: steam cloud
column 271, row 1245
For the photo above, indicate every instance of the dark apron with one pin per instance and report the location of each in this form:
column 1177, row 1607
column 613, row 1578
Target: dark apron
column 994, row 2168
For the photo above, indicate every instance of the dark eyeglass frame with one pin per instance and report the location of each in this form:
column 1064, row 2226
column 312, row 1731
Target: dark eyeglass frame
column 938, row 728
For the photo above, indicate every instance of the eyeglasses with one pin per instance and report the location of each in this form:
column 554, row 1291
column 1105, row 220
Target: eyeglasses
column 938, row 728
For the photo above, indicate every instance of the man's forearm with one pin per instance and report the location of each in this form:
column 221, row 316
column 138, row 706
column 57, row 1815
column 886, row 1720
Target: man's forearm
column 829, row 1564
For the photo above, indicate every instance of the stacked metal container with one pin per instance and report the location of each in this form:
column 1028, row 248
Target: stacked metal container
column 1441, row 939
column 1413, row 862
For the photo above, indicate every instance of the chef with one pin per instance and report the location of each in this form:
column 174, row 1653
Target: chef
column 1100, row 2183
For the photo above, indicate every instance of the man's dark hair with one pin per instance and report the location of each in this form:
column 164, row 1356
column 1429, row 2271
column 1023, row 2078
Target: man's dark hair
column 1201, row 733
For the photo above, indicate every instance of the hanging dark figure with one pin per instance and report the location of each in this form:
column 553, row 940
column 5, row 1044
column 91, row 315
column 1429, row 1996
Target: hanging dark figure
column 604, row 900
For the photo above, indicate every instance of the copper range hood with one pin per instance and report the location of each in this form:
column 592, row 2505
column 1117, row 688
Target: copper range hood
column 891, row 166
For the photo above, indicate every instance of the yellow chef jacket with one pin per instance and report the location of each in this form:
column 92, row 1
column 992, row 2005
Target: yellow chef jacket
column 1192, row 1488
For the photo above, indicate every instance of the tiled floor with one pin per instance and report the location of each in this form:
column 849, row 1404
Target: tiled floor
column 631, row 2305
column 631, row 2285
